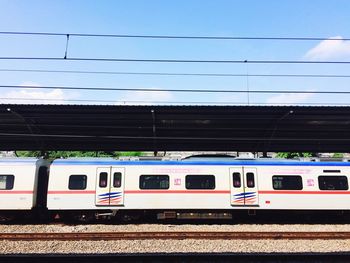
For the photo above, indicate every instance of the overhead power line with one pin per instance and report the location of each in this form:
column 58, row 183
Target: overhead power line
column 174, row 90
column 176, row 74
column 194, row 37
column 178, row 60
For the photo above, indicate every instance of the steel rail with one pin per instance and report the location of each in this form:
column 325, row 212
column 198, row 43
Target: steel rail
column 93, row 236
column 253, row 257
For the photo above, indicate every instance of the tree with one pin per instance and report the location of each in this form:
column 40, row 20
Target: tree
column 338, row 155
column 291, row 155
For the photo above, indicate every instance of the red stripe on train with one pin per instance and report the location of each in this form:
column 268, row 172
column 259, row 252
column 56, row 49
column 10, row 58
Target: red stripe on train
column 335, row 192
column 16, row 192
column 177, row 192
column 183, row 192
column 72, row 192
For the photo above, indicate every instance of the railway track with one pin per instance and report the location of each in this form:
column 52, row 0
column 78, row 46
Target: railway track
column 173, row 236
column 178, row 257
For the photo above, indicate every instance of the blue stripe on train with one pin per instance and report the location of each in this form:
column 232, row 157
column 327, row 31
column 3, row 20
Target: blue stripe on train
column 186, row 163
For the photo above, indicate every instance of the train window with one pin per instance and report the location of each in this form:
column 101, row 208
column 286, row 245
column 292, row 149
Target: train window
column 6, row 182
column 250, row 180
column 154, row 182
column 117, row 180
column 287, row 182
column 236, row 178
column 200, row 181
column 333, row 183
column 103, row 180
column 77, row 182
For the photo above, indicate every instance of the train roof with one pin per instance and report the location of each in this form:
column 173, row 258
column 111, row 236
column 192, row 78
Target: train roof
column 200, row 161
column 19, row 160
column 85, row 160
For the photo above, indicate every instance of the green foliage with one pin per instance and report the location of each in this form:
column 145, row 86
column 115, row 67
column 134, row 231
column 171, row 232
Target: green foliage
column 338, row 155
column 69, row 154
column 28, row 153
column 291, row 155
column 129, row 153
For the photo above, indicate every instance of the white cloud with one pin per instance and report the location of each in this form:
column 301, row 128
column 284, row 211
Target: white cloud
column 34, row 96
column 144, row 97
column 292, row 98
column 330, row 49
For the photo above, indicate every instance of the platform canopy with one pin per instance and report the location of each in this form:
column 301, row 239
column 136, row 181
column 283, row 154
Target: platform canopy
column 174, row 128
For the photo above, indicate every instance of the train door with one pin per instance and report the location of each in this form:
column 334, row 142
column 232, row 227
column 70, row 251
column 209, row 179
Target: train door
column 244, row 186
column 110, row 186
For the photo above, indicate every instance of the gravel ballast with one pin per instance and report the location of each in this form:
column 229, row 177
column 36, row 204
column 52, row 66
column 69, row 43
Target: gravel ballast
column 172, row 246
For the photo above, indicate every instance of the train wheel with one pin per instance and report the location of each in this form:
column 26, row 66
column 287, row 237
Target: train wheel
column 129, row 216
column 6, row 218
column 83, row 217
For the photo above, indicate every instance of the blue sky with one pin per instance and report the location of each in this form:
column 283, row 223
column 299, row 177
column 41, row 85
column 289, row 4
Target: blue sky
column 296, row 18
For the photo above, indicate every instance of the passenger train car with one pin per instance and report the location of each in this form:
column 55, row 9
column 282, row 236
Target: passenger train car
column 87, row 189
column 23, row 186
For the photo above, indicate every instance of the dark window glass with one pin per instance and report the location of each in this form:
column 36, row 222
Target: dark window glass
column 154, row 182
column 331, row 171
column 200, row 181
column 117, row 180
column 333, row 183
column 287, row 182
column 236, row 178
column 103, row 179
column 6, row 182
column 77, row 182
column 250, row 180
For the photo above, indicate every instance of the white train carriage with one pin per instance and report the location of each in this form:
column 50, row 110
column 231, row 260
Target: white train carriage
column 197, row 185
column 22, row 185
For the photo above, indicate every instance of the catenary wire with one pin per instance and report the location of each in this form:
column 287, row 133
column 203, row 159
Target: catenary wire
column 198, row 37
column 177, row 60
column 174, row 90
column 176, row 74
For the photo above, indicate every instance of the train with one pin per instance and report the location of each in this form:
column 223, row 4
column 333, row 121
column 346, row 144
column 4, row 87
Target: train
column 199, row 187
